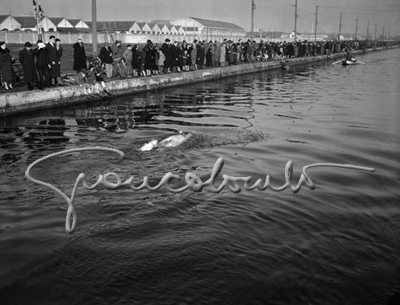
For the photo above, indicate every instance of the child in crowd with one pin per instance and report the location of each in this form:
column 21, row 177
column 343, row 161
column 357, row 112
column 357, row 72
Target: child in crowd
column 161, row 60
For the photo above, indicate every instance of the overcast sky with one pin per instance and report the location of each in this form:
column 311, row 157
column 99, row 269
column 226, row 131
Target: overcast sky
column 270, row 15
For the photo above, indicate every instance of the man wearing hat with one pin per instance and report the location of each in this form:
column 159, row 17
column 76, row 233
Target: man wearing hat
column 27, row 60
column 42, row 65
column 54, row 59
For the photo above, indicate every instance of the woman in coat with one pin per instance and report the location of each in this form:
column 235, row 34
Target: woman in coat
column 222, row 54
column 27, row 60
column 135, row 60
column 193, row 55
column 6, row 66
column 79, row 56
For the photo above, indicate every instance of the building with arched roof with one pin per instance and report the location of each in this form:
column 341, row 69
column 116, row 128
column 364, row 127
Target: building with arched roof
column 206, row 29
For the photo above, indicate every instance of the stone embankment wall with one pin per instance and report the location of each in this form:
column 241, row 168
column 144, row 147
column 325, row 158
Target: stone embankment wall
column 31, row 100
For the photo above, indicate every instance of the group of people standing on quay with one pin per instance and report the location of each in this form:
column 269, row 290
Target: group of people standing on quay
column 153, row 59
column 40, row 66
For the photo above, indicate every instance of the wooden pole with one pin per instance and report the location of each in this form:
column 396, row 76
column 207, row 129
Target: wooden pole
column 253, row 6
column 355, row 36
column 316, row 23
column 94, row 26
column 340, row 25
column 295, row 21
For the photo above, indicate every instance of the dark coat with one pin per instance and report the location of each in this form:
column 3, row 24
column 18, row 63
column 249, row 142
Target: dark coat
column 168, row 55
column 180, row 57
column 150, row 58
column 135, row 58
column 174, row 56
column 54, row 59
column 59, row 52
column 42, row 59
column 6, row 65
column 106, row 55
column 27, row 59
column 200, row 55
column 79, row 57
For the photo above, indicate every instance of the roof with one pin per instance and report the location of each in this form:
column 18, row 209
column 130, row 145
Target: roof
column 74, row 22
column 112, row 25
column 161, row 21
column 122, row 25
column 3, row 17
column 26, row 21
column 218, row 24
column 56, row 20
column 141, row 24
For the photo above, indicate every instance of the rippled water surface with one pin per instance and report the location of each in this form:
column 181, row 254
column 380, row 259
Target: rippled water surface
column 337, row 244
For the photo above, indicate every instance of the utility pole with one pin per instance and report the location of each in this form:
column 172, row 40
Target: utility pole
column 253, row 7
column 38, row 14
column 375, row 30
column 340, row 25
column 388, row 34
column 94, row 27
column 355, row 36
column 316, row 23
column 295, row 21
column 383, row 32
column 367, row 29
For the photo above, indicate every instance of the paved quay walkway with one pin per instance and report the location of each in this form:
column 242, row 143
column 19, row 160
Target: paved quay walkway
column 24, row 101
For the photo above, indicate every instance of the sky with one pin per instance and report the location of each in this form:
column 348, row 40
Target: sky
column 269, row 15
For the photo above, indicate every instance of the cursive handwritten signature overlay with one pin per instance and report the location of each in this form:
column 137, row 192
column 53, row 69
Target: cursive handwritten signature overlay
column 193, row 182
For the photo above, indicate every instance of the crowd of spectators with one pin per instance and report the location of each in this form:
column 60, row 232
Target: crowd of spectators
column 170, row 57
column 41, row 66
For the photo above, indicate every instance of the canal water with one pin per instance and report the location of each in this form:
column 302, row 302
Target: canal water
column 337, row 244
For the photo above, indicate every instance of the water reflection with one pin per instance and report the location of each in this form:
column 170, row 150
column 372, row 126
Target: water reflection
column 200, row 247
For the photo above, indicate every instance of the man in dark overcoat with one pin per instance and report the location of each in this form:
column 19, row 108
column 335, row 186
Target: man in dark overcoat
column 168, row 55
column 27, row 60
column 79, row 56
column 54, row 60
column 174, row 56
column 43, row 65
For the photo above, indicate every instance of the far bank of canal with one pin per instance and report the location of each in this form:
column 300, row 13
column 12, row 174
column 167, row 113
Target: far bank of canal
column 25, row 101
